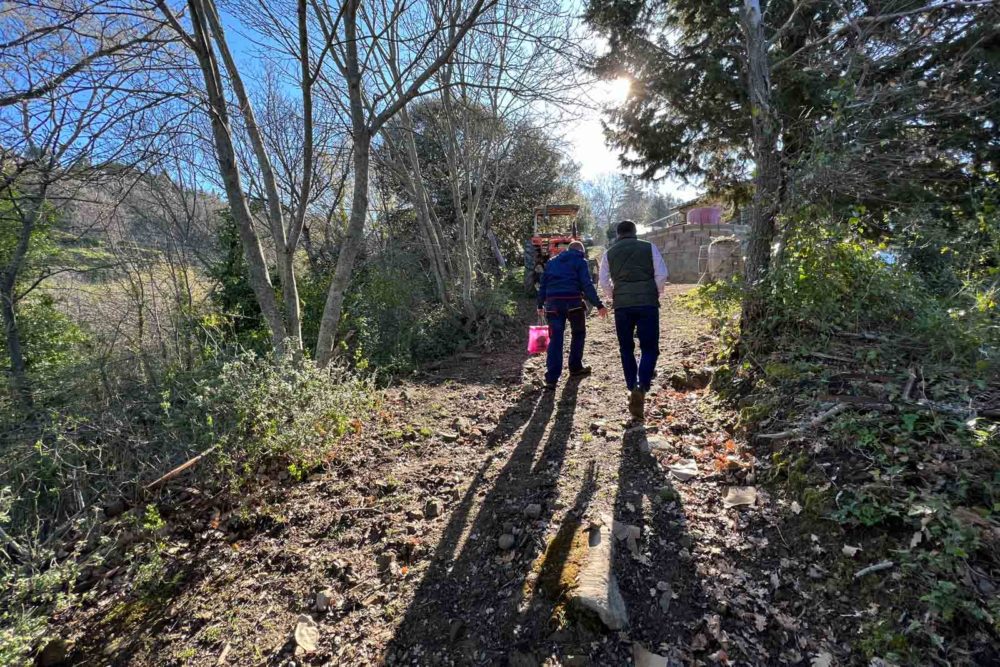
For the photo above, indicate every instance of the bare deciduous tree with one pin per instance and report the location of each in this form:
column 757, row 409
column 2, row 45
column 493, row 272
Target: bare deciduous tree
column 605, row 194
column 346, row 61
column 207, row 42
column 425, row 36
column 74, row 111
column 516, row 61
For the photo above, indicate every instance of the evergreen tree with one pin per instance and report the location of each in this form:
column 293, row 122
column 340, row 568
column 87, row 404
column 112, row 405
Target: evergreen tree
column 234, row 297
column 685, row 113
column 874, row 101
column 635, row 203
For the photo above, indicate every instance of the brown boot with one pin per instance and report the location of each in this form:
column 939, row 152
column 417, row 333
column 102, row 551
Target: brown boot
column 637, row 404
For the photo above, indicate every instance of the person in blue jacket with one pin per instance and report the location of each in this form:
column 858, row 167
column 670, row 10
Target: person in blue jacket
column 564, row 285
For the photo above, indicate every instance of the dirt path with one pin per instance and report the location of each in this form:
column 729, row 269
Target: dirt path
column 562, row 451
column 402, row 537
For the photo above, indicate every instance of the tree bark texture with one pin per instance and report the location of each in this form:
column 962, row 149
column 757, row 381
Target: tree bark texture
column 260, row 279
column 767, row 179
column 410, row 171
column 354, row 236
column 284, row 251
column 20, row 387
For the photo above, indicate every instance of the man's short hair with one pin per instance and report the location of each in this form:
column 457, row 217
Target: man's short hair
column 577, row 245
column 626, row 227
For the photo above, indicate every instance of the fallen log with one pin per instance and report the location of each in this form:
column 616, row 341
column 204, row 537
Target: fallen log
column 870, row 403
column 877, row 338
column 861, row 335
column 811, row 424
column 842, row 403
column 830, row 357
column 19, row 551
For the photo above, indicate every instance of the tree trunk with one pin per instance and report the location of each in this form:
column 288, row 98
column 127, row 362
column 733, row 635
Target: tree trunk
column 284, row 249
column 767, row 180
column 349, row 249
column 353, row 239
column 406, row 163
column 464, row 203
column 19, row 384
column 495, row 247
column 260, row 279
column 439, row 255
column 467, row 256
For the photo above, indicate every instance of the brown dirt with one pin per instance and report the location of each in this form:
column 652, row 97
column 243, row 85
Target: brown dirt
column 239, row 580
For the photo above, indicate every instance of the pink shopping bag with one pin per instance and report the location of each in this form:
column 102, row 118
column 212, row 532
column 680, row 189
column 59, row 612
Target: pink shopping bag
column 538, row 339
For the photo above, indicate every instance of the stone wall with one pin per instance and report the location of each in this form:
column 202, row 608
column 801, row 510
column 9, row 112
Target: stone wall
column 685, row 248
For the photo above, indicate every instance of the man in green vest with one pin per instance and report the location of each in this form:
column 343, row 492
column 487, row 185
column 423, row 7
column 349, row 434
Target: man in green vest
column 633, row 274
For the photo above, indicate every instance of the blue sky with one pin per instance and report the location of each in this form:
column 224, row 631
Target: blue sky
column 585, row 139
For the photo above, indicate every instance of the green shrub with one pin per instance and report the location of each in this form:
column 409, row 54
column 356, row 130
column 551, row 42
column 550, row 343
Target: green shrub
column 828, row 278
column 100, row 447
column 253, row 411
column 720, row 299
column 953, row 247
column 51, row 343
column 288, row 410
column 236, row 314
column 866, row 508
column 392, row 320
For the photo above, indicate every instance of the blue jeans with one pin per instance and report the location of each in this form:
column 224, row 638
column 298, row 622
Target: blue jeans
column 643, row 321
column 556, row 314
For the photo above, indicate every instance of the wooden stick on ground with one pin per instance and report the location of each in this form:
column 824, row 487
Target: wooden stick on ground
column 812, row 423
column 861, row 335
column 830, row 357
column 870, row 403
column 908, row 389
column 178, row 470
column 877, row 567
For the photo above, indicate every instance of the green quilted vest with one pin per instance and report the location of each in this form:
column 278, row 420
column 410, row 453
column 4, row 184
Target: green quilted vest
column 630, row 262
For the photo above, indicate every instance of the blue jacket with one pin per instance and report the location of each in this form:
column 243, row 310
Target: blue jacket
column 566, row 277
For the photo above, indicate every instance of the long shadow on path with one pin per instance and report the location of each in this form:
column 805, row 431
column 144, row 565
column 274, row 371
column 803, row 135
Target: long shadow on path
column 661, row 586
column 466, row 609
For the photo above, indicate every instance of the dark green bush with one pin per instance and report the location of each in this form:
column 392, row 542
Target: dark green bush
column 827, row 278
column 393, row 322
column 257, row 410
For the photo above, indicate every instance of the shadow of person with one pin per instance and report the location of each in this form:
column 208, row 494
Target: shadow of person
column 660, row 560
column 466, row 608
column 555, row 574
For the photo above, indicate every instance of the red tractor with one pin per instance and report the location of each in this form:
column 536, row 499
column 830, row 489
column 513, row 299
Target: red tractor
column 554, row 227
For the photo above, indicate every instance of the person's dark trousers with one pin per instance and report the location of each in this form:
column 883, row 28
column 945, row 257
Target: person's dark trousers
column 643, row 321
column 557, row 313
